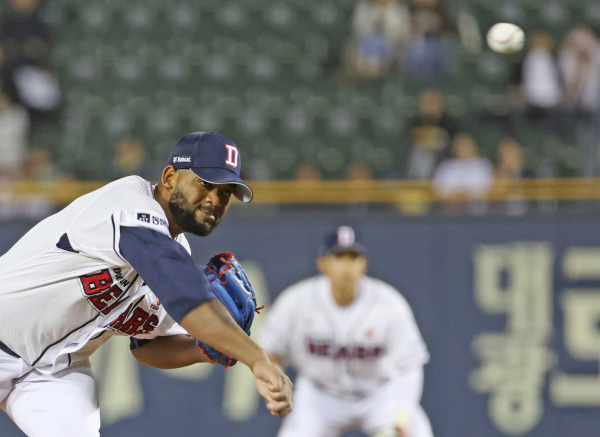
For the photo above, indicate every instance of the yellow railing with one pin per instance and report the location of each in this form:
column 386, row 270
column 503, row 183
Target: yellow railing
column 394, row 192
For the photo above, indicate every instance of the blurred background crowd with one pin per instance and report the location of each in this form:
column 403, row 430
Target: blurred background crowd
column 331, row 90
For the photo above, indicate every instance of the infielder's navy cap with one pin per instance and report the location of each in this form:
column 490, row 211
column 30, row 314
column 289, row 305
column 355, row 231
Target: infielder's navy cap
column 342, row 240
column 214, row 158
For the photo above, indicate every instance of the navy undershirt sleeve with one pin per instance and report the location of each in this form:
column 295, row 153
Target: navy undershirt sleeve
column 167, row 268
column 134, row 343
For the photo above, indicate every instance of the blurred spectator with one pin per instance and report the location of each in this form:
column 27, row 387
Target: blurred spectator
column 308, row 171
column 359, row 171
column 358, row 174
column 21, row 201
column 130, row 159
column 37, row 89
column 430, row 131
column 24, row 34
column 509, row 172
column 510, row 161
column 579, row 61
column 39, row 166
column 379, row 30
column 537, row 82
column 429, row 51
column 14, row 137
column 26, row 46
column 463, row 180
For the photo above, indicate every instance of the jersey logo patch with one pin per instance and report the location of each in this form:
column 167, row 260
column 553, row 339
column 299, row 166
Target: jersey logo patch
column 149, row 218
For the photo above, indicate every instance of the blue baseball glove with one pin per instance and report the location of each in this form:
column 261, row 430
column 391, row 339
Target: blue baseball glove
column 229, row 283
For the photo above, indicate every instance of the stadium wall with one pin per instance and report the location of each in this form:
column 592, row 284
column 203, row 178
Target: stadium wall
column 509, row 308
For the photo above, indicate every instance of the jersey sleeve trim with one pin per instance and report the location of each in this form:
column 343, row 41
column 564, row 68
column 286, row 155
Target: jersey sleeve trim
column 116, row 238
column 167, row 268
column 65, row 244
column 8, row 350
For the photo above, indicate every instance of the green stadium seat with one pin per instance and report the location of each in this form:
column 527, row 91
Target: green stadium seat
column 494, row 69
column 329, row 17
column 181, row 17
column 251, row 122
column 140, row 16
column 591, row 15
column 53, row 13
column 382, row 158
column 207, row 119
column 218, row 67
column 456, row 105
column 387, row 121
column 94, row 17
column 282, row 160
column 332, row 160
column 116, row 121
column 342, row 121
column 296, row 121
column 279, row 17
column 253, row 68
column 255, row 6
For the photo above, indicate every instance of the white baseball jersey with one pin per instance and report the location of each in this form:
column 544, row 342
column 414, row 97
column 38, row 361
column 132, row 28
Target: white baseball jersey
column 66, row 287
column 345, row 350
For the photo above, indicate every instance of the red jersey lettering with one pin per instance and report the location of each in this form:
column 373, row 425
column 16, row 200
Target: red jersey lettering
column 96, row 283
column 135, row 322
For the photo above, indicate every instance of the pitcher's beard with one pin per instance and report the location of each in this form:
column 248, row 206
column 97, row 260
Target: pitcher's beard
column 184, row 215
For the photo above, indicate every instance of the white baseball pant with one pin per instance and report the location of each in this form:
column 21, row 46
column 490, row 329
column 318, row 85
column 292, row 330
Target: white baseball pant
column 56, row 405
column 317, row 413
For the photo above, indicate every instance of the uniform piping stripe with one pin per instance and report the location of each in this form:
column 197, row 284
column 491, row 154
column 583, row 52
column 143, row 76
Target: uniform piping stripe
column 112, row 219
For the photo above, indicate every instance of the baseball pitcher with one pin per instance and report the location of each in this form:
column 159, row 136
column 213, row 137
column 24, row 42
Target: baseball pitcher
column 116, row 262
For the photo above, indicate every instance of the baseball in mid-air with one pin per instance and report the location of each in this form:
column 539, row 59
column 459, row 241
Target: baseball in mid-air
column 505, row 38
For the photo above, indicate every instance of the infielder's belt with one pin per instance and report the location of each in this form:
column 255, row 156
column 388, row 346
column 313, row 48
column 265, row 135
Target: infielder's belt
column 8, row 350
column 349, row 394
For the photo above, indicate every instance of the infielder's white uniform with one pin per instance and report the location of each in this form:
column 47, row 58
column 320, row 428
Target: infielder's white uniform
column 358, row 366
column 66, row 289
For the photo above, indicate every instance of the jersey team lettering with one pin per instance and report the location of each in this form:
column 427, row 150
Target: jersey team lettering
column 134, row 321
column 105, row 294
column 330, row 349
column 101, row 290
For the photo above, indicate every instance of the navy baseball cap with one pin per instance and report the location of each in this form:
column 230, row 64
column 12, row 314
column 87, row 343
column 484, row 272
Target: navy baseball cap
column 342, row 240
column 213, row 158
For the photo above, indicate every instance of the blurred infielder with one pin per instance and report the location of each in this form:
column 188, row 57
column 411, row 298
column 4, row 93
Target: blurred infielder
column 115, row 262
column 356, row 348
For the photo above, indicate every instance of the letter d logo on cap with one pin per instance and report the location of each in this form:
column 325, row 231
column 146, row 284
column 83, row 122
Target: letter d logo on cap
column 232, row 156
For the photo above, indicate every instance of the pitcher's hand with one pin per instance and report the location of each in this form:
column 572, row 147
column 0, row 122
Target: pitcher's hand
column 275, row 386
